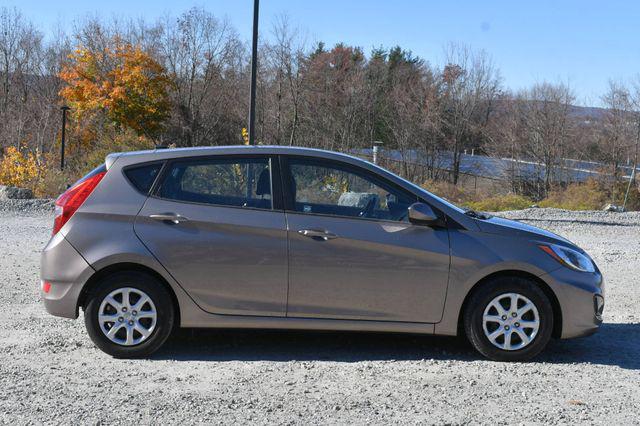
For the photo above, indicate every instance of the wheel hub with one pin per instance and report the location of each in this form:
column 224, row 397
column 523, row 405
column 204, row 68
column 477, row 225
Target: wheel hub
column 127, row 316
column 511, row 321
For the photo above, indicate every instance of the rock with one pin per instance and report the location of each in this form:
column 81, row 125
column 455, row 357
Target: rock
column 13, row 193
column 612, row 208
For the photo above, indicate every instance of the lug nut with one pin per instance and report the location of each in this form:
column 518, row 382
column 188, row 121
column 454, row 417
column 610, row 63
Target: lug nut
column 120, row 319
column 124, row 309
column 130, row 322
column 134, row 312
column 504, row 317
column 517, row 324
column 506, row 327
column 513, row 314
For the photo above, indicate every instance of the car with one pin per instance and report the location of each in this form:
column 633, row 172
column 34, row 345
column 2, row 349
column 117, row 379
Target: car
column 274, row 237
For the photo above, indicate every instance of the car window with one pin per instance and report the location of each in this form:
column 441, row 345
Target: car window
column 237, row 182
column 333, row 189
column 142, row 177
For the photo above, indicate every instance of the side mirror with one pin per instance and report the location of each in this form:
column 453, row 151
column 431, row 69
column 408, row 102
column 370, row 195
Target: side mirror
column 423, row 214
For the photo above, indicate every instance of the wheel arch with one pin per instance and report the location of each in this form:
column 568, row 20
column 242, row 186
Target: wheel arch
column 100, row 274
column 555, row 304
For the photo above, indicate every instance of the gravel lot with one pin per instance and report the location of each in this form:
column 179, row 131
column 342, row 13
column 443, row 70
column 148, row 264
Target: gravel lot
column 50, row 371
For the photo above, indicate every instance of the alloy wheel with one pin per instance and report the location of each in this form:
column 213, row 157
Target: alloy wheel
column 127, row 316
column 511, row 321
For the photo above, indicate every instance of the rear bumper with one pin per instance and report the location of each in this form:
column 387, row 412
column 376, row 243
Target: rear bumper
column 66, row 270
column 581, row 299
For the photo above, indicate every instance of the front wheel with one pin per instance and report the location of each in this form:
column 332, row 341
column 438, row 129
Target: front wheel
column 130, row 315
column 509, row 319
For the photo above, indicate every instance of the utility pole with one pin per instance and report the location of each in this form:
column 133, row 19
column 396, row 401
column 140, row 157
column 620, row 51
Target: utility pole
column 254, row 66
column 64, row 109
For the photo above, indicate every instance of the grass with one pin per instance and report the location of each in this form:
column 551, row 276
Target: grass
column 590, row 195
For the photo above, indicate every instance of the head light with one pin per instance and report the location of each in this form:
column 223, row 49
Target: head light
column 569, row 257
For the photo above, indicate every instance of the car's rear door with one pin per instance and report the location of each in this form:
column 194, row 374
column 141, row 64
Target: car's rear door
column 214, row 225
column 353, row 254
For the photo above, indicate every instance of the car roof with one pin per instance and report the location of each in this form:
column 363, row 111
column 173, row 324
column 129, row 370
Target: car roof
column 133, row 157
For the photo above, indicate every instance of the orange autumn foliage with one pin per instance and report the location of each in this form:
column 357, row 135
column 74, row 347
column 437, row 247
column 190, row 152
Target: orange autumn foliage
column 123, row 83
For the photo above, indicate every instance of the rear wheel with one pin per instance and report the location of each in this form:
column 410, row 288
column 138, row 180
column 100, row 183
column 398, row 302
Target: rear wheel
column 130, row 315
column 509, row 319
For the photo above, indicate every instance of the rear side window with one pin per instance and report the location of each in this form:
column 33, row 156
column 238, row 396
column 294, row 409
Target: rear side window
column 142, row 177
column 225, row 182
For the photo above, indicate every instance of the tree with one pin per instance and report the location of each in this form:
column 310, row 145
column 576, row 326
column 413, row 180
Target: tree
column 470, row 83
column 207, row 62
column 547, row 127
column 283, row 81
column 121, row 84
column 617, row 129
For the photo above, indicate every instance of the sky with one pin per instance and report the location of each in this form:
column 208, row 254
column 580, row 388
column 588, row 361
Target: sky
column 584, row 43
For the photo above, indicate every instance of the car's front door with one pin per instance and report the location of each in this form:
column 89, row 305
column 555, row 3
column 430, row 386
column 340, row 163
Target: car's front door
column 213, row 225
column 352, row 252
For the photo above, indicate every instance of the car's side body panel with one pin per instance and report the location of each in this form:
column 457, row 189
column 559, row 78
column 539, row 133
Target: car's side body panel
column 230, row 260
column 373, row 270
column 475, row 256
column 66, row 282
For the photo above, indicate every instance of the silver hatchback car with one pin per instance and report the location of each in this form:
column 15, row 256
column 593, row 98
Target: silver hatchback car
column 292, row 238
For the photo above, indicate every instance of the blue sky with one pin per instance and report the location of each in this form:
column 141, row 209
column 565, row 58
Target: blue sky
column 583, row 42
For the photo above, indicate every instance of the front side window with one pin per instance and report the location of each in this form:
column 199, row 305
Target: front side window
column 226, row 182
column 335, row 190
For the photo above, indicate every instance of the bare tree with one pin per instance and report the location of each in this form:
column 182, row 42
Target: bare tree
column 20, row 51
column 635, row 149
column 547, row 128
column 205, row 57
column 470, row 83
column 285, row 61
column 617, row 133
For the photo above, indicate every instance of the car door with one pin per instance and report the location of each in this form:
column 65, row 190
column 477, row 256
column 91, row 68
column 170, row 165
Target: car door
column 214, row 225
column 352, row 252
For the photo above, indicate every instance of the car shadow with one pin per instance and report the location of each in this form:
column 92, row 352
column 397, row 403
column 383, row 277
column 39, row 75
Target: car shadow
column 615, row 344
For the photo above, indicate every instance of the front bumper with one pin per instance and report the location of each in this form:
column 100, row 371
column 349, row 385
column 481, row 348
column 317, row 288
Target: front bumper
column 581, row 299
column 66, row 271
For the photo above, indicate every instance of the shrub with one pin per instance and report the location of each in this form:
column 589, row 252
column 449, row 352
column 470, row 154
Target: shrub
column 578, row 196
column 500, row 203
column 20, row 169
column 633, row 201
column 52, row 182
column 447, row 190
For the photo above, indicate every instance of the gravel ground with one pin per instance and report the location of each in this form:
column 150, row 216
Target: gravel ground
column 50, row 372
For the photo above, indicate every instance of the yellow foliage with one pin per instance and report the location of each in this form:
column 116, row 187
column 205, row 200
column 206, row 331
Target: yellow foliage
column 245, row 136
column 20, row 169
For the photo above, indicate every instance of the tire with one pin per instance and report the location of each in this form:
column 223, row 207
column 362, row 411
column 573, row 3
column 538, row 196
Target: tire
column 128, row 341
column 490, row 337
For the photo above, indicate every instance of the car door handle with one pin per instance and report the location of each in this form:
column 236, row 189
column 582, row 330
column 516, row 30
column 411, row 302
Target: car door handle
column 169, row 217
column 317, row 234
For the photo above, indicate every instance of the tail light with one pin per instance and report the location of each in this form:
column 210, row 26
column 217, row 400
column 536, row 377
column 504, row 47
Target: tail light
column 71, row 200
